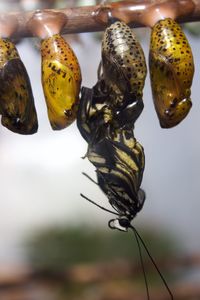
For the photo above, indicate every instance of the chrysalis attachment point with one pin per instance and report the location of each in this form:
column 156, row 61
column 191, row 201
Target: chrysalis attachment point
column 168, row 9
column 45, row 23
column 8, row 25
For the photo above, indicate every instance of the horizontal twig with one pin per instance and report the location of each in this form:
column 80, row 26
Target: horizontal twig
column 94, row 18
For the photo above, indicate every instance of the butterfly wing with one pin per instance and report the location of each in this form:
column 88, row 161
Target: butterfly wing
column 120, row 166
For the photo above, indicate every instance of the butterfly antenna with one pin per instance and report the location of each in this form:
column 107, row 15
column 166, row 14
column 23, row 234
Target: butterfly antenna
column 90, row 178
column 103, row 208
column 142, row 264
column 152, row 260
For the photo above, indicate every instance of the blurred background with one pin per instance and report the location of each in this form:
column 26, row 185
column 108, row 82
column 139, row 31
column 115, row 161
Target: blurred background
column 55, row 245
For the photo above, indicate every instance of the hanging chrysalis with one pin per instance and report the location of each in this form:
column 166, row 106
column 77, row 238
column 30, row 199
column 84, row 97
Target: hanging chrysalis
column 123, row 64
column 61, row 74
column 123, row 59
column 61, row 79
column 16, row 98
column 171, row 71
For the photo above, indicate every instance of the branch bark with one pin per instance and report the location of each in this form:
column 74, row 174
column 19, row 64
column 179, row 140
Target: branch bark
column 95, row 18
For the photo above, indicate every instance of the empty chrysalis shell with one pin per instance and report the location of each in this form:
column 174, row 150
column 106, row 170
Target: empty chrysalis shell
column 16, row 99
column 61, row 79
column 171, row 71
column 123, row 61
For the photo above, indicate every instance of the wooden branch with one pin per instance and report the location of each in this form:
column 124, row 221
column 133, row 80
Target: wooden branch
column 95, row 18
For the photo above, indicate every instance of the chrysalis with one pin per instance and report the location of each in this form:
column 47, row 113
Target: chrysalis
column 16, row 99
column 61, row 79
column 61, row 74
column 171, row 71
column 123, row 64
